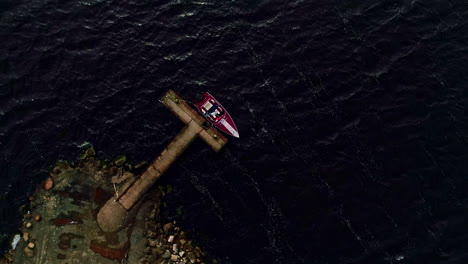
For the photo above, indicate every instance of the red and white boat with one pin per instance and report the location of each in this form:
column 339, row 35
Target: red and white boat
column 216, row 114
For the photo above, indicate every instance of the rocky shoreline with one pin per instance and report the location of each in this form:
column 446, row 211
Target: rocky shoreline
column 59, row 224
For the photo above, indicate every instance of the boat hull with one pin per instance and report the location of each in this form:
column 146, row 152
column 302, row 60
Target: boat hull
column 217, row 115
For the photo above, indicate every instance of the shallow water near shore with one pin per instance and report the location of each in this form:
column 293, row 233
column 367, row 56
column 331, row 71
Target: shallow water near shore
column 351, row 115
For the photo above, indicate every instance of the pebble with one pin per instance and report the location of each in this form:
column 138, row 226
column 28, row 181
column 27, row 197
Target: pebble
column 156, row 252
column 181, row 253
column 153, row 243
column 182, row 241
column 167, row 227
column 31, row 245
column 25, row 236
column 166, row 254
column 170, row 239
column 38, row 217
column 174, row 248
column 174, row 257
column 151, row 234
column 48, row 183
column 191, row 257
column 28, row 225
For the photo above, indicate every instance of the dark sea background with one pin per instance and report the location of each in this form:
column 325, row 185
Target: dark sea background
column 352, row 116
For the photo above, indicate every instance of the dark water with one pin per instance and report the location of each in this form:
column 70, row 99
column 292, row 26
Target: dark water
column 352, row 117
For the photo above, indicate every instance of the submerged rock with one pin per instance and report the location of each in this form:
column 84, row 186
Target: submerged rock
column 120, row 160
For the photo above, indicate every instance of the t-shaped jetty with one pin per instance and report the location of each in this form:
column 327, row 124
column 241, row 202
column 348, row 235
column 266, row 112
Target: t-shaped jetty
column 116, row 211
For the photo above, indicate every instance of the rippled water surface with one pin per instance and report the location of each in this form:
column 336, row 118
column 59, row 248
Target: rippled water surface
column 352, row 117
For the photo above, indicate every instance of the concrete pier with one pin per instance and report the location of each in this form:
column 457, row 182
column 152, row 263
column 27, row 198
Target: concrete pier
column 115, row 213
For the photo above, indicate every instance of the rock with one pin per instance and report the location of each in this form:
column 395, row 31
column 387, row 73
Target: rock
column 120, row 160
column 191, row 257
column 25, row 236
column 153, row 243
column 113, row 171
column 153, row 214
column 91, row 152
column 170, row 239
column 38, row 217
column 167, row 227
column 15, row 241
column 151, row 234
column 141, row 164
column 24, row 210
column 166, row 254
column 31, row 245
column 174, row 257
column 181, row 253
column 118, row 179
column 29, row 252
column 182, row 241
column 28, row 225
column 174, row 248
column 157, row 252
column 48, row 183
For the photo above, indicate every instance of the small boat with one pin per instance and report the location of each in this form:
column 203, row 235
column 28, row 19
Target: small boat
column 217, row 115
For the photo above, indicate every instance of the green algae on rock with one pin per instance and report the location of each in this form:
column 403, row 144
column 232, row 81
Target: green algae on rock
column 60, row 223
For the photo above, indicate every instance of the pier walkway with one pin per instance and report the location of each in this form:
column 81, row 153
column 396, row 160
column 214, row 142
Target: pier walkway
column 115, row 213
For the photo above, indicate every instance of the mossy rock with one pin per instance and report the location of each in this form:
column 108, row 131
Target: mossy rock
column 91, row 152
column 129, row 166
column 120, row 160
column 141, row 165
